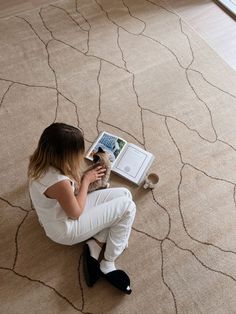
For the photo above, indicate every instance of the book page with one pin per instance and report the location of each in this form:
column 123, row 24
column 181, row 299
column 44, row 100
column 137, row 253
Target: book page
column 133, row 163
column 110, row 143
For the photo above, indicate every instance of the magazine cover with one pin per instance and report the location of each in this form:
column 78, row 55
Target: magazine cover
column 109, row 143
column 128, row 160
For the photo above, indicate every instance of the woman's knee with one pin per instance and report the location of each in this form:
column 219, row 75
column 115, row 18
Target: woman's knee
column 127, row 193
column 130, row 206
column 120, row 192
column 125, row 205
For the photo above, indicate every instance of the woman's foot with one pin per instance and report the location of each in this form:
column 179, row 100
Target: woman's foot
column 116, row 277
column 107, row 266
column 95, row 248
column 90, row 262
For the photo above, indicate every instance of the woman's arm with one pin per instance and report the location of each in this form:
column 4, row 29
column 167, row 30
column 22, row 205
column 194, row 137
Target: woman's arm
column 64, row 194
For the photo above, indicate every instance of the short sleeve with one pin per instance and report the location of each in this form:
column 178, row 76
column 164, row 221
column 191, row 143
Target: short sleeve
column 50, row 178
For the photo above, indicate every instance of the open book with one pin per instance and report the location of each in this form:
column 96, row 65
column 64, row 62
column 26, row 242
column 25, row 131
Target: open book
column 128, row 160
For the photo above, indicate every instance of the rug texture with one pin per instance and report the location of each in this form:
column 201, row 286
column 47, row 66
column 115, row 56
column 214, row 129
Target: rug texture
column 136, row 69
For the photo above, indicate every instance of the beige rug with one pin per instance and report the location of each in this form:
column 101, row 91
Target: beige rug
column 132, row 67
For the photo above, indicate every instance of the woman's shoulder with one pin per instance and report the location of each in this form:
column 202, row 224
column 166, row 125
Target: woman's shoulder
column 49, row 178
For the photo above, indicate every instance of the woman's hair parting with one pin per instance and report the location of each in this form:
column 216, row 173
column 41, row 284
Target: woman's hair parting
column 60, row 146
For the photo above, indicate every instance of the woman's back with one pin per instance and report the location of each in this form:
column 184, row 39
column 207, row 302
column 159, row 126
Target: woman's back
column 49, row 211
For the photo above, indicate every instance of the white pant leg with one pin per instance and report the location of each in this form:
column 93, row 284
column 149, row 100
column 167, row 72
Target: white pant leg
column 116, row 215
column 101, row 196
column 104, row 195
column 119, row 233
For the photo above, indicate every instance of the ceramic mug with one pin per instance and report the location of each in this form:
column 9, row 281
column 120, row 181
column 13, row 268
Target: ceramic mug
column 150, row 181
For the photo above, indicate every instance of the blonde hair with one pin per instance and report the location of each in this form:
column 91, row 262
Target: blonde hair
column 60, row 146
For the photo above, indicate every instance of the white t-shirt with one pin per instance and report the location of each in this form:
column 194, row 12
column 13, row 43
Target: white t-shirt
column 51, row 215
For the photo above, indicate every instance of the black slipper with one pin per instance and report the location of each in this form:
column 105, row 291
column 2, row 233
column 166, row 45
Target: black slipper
column 119, row 279
column 91, row 267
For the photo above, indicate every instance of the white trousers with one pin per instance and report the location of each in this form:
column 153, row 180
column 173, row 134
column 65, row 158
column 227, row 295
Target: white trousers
column 108, row 217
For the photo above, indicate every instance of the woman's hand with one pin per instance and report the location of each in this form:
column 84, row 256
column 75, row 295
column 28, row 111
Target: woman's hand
column 94, row 174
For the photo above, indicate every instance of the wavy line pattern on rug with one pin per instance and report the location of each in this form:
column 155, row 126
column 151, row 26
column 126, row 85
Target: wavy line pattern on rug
column 131, row 27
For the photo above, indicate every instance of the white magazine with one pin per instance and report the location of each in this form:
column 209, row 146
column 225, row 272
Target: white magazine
column 128, row 160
